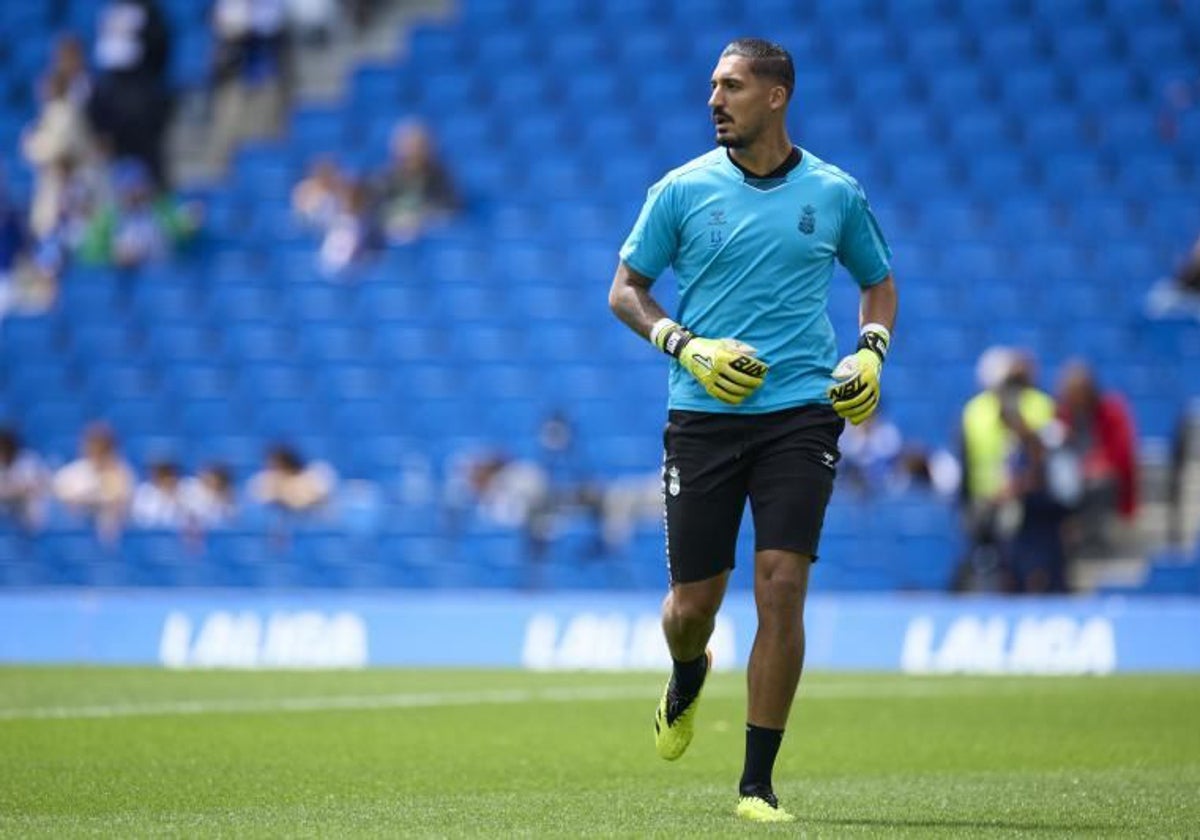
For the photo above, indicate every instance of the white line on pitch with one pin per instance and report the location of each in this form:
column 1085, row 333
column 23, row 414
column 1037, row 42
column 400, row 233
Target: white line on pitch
column 493, row 697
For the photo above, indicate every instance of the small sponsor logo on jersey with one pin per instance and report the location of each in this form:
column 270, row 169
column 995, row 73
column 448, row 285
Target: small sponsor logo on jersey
column 808, row 220
column 716, row 220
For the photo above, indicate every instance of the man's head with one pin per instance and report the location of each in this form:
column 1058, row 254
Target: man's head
column 99, row 443
column 751, row 87
column 10, row 446
column 218, row 480
column 284, row 459
column 412, row 145
column 1077, row 389
column 164, row 475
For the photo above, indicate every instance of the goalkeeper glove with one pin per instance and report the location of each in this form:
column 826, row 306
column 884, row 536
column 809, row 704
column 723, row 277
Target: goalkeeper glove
column 726, row 368
column 855, row 392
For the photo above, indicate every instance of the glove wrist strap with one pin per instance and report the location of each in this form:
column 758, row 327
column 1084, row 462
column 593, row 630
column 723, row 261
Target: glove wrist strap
column 669, row 337
column 876, row 338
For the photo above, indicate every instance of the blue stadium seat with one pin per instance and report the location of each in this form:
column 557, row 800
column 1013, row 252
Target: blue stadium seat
column 906, row 130
column 259, row 342
column 1028, row 89
column 1103, row 86
column 1165, row 43
column 980, row 129
column 103, row 340
column 1085, row 44
column 949, row 89
column 936, row 45
column 1033, row 134
column 175, row 343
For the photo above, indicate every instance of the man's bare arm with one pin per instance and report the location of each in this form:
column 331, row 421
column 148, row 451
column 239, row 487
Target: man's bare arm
column 878, row 304
column 631, row 301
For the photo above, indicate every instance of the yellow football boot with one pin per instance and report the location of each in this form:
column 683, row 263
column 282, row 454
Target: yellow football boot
column 675, row 718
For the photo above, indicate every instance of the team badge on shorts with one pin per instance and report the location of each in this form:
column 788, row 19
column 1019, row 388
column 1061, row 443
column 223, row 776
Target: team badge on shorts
column 673, row 481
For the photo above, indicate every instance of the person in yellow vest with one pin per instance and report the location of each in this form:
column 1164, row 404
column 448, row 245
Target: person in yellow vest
column 1002, row 459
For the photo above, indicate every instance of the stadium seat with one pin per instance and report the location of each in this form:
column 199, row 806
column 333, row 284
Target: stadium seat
column 1022, row 158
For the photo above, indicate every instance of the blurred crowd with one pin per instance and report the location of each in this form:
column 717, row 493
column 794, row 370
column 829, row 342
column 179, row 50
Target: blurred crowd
column 354, row 216
column 100, row 489
column 1046, row 479
column 1178, row 294
column 101, row 191
column 97, row 144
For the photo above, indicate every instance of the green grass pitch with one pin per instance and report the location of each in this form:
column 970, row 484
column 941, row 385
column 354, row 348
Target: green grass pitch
column 125, row 752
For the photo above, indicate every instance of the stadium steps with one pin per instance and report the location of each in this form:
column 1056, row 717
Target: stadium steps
column 322, row 74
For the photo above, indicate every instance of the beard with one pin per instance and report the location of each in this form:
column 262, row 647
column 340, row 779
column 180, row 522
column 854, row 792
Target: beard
column 740, row 137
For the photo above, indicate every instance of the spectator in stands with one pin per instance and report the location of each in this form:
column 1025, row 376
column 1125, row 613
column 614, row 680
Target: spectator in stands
column 24, row 483
column 1188, row 278
column 69, row 61
column 286, row 483
column 250, row 74
column 140, row 226
column 560, row 454
column 509, row 492
column 919, row 470
column 53, row 146
column 130, row 106
column 415, row 190
column 159, row 501
column 869, row 453
column 313, row 20
column 99, row 484
column 1035, row 554
column 14, row 250
column 989, row 440
column 621, row 504
column 317, row 198
column 210, row 498
column 1179, row 294
column 1100, row 431
column 352, row 234
column 361, row 13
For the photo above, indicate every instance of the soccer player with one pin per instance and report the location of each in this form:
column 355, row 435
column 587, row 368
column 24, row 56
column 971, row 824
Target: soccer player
column 752, row 230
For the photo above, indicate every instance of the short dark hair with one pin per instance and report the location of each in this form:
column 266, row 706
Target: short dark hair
column 767, row 60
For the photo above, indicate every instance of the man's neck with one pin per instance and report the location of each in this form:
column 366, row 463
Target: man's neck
column 764, row 156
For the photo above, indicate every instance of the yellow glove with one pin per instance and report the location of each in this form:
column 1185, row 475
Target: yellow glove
column 855, row 392
column 727, row 368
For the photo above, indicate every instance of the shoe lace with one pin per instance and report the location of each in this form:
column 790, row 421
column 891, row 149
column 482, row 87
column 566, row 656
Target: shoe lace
column 765, row 795
column 677, row 703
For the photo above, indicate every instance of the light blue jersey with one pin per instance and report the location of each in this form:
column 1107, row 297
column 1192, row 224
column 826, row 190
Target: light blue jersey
column 754, row 260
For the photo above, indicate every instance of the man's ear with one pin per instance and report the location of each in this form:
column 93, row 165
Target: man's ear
column 778, row 98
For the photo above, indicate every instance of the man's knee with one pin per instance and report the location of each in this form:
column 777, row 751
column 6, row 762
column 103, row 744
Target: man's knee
column 696, row 603
column 781, row 582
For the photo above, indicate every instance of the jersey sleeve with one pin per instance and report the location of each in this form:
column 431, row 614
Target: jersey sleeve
column 651, row 246
column 861, row 247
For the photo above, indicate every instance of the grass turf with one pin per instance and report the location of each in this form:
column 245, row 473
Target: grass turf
column 119, row 752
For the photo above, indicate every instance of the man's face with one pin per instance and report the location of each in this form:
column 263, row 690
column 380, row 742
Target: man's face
column 741, row 103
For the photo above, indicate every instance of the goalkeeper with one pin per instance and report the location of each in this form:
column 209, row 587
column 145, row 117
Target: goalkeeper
column 752, row 230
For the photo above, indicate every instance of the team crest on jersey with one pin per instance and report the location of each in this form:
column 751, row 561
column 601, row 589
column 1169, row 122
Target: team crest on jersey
column 808, row 220
column 673, row 481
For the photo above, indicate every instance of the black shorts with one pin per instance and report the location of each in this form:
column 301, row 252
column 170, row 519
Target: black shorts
column 784, row 462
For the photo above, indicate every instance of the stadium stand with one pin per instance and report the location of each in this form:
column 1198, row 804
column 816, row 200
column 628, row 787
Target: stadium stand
column 1012, row 150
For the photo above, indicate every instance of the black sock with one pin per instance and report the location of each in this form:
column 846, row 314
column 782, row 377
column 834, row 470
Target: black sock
column 689, row 676
column 762, row 745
